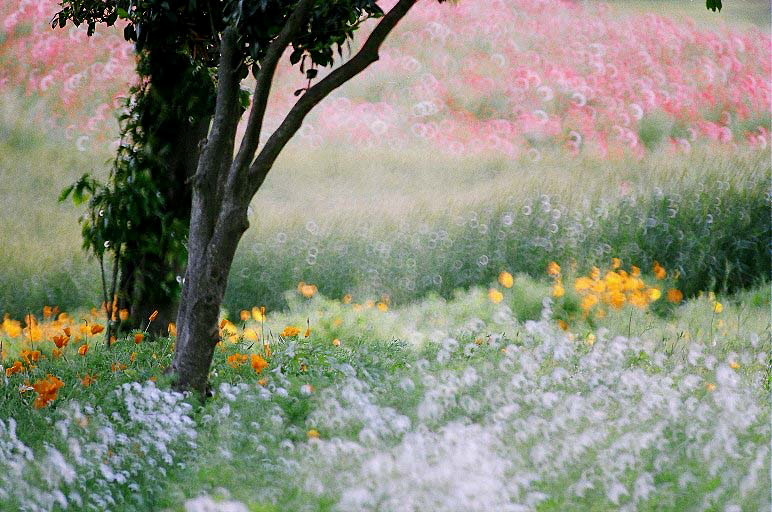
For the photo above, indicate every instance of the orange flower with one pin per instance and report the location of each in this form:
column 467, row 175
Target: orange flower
column 336, row 342
column 307, row 290
column 659, row 271
column 616, row 263
column 139, row 337
column 56, row 353
column 506, row 280
column 172, row 327
column 133, row 357
column 263, row 382
column 31, row 356
column 495, row 296
column 97, row 328
column 258, row 363
column 83, row 350
column 47, row 311
column 47, row 389
column 88, row 380
column 123, row 315
column 675, row 295
column 16, row 368
column 290, row 331
column 237, row 360
column 245, row 315
column 553, row 269
column 307, row 333
column 66, row 330
column 153, row 316
column 61, row 341
column 116, row 367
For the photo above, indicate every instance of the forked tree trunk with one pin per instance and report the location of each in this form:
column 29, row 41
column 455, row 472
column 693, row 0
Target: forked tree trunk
column 224, row 185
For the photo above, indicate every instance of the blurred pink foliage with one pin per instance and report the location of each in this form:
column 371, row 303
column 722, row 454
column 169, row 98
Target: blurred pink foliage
column 479, row 76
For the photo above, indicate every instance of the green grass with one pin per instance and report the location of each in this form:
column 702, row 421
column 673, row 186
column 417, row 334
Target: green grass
column 737, row 13
column 405, row 225
column 419, row 374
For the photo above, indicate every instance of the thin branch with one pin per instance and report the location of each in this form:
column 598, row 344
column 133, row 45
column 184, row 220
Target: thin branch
column 294, row 119
column 111, row 308
column 264, row 77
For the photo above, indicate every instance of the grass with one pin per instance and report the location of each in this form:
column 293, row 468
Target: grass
column 673, row 416
column 737, row 13
column 374, row 223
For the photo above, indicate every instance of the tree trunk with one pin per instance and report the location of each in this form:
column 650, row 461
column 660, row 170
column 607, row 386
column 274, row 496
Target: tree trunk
column 174, row 120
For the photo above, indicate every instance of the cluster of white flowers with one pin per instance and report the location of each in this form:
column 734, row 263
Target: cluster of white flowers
column 92, row 454
column 618, row 425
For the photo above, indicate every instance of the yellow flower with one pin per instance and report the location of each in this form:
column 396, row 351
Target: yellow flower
column 506, row 280
column 591, row 339
column 258, row 314
column 635, row 271
column 382, row 306
column 595, row 274
column 616, row 299
column 616, row 263
column 654, row 294
column 735, row 365
column 553, row 269
column 313, row 434
column 251, row 335
column 558, row 290
column 710, row 387
column 583, row 284
column 718, row 307
column 336, row 342
column 495, row 296
column 347, row 298
column 589, row 302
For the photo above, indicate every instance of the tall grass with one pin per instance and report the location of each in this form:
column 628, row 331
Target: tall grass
column 415, row 222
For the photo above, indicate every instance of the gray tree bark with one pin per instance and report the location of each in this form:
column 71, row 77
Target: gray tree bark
column 224, row 185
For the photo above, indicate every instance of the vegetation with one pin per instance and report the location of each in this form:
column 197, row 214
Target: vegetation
column 420, row 316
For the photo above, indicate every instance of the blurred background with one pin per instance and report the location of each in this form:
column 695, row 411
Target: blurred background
column 491, row 135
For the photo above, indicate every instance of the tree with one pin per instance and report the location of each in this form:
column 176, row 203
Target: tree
column 245, row 36
column 139, row 218
column 248, row 35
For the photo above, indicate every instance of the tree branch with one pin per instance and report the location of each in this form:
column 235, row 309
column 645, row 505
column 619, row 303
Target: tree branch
column 294, row 119
column 217, row 155
column 264, row 77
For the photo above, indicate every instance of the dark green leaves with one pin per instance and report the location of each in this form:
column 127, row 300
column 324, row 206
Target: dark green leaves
column 713, row 5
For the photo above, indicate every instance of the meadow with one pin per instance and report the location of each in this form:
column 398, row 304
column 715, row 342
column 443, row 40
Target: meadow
column 523, row 264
